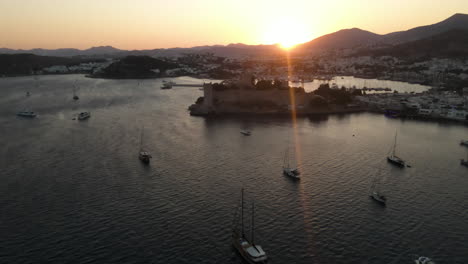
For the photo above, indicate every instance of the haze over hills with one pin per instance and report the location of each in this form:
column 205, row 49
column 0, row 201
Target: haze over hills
column 457, row 21
column 355, row 37
column 66, row 52
column 343, row 39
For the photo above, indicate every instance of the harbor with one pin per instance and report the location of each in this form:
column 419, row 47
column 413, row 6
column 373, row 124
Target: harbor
column 83, row 186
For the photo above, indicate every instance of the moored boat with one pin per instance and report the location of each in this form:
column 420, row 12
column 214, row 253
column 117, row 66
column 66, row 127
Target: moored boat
column 167, row 85
column 288, row 170
column 84, row 115
column 393, row 158
column 464, row 162
column 424, row 260
column 464, row 143
column 248, row 250
column 143, row 155
column 245, row 132
column 378, row 197
column 30, row 114
column 75, row 96
column 374, row 191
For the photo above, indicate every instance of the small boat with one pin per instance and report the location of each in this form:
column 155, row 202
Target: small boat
column 287, row 170
column 84, row 115
column 424, row 260
column 393, row 158
column 28, row 93
column 167, row 85
column 75, row 97
column 30, row 114
column 248, row 250
column 379, row 198
column 464, row 162
column 374, row 193
column 464, row 143
column 245, row 132
column 144, row 156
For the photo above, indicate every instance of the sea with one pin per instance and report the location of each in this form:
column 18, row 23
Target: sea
column 75, row 191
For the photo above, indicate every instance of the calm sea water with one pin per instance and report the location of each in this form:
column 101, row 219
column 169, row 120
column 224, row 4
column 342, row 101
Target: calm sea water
column 75, row 192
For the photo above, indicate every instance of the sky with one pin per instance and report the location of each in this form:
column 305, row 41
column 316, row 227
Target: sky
column 150, row 24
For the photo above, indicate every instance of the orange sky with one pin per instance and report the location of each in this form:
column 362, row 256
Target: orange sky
column 149, row 24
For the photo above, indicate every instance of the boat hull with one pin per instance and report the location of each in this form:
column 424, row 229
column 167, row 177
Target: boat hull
column 145, row 157
column 84, row 116
column 464, row 163
column 236, row 244
column 378, row 200
column 144, row 160
column 28, row 116
column 291, row 175
column 395, row 162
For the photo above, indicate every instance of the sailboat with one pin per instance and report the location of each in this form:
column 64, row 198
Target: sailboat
column 464, row 143
column 393, row 158
column 167, row 85
column 30, row 114
column 144, row 156
column 424, row 260
column 250, row 252
column 245, row 132
column 464, row 162
column 287, row 170
column 374, row 193
column 27, row 112
column 75, row 97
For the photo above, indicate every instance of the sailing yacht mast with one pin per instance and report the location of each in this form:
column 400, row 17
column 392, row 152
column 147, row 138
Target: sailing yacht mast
column 286, row 158
column 394, row 144
column 242, row 212
column 141, row 139
column 252, row 231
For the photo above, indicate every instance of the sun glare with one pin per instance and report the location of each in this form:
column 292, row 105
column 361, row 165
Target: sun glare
column 287, row 33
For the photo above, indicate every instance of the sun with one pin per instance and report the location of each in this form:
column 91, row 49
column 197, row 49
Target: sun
column 286, row 32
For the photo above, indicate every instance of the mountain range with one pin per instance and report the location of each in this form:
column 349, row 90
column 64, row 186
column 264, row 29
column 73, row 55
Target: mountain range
column 344, row 39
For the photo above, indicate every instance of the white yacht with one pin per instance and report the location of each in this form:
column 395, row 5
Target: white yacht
column 249, row 251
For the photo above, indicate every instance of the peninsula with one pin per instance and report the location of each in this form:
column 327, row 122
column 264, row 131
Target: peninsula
column 249, row 95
